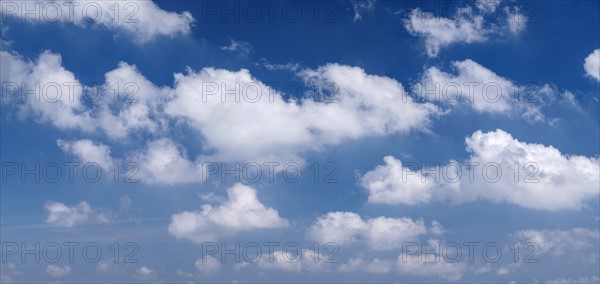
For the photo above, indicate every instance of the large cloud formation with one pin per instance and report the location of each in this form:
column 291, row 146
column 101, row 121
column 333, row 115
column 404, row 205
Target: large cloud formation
column 500, row 169
column 237, row 117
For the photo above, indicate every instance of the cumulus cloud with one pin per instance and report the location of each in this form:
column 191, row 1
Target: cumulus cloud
column 467, row 25
column 142, row 19
column 483, row 89
column 543, row 177
column 367, row 105
column 379, row 233
column 164, row 162
column 592, row 65
column 559, row 242
column 88, row 151
column 51, row 93
column 242, row 211
column 161, row 161
column 58, row 271
column 479, row 88
column 61, row 215
column 127, row 103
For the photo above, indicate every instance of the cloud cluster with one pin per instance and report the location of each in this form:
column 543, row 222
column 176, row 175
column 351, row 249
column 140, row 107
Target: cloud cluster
column 237, row 117
column 51, row 94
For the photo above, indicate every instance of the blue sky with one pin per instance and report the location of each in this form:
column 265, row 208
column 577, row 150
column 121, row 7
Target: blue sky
column 399, row 117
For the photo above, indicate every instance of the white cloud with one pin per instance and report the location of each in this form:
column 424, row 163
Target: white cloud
column 58, row 271
column 479, row 88
column 367, row 105
column 243, row 47
column 145, row 273
column 440, row 32
column 161, row 162
column 386, row 184
column 517, row 22
column 290, row 66
column 207, row 265
column 129, row 103
column 62, row 215
column 546, row 179
column 142, row 19
column 109, row 266
column 502, row 271
column 559, row 242
column 262, row 126
column 241, row 212
column 436, row 228
column 484, row 269
column 379, row 233
column 164, row 162
column 474, row 84
column 592, row 64
column 88, row 152
column 417, row 266
column 125, row 104
column 52, row 94
column 467, row 25
column 362, row 7
column 125, row 203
